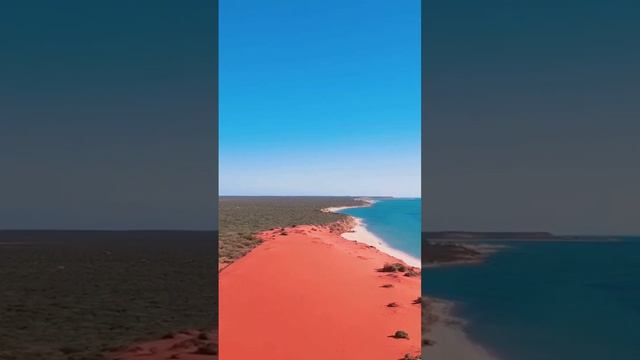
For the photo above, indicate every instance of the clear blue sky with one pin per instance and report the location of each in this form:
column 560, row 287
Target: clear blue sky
column 320, row 97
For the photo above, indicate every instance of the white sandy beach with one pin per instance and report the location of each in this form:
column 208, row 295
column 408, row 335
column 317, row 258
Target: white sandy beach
column 361, row 234
column 368, row 202
column 449, row 339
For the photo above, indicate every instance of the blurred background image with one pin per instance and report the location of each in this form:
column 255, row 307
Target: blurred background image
column 108, row 179
column 532, row 247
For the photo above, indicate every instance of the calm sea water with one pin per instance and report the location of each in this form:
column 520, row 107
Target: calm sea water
column 550, row 300
column 396, row 221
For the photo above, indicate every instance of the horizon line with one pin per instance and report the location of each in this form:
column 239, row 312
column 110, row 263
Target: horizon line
column 312, row 195
column 554, row 234
column 217, row 230
column 104, row 229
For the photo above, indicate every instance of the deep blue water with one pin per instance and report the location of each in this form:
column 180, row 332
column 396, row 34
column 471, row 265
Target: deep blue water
column 550, row 300
column 396, row 221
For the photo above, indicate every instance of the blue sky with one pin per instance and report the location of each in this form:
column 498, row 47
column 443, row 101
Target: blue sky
column 319, row 97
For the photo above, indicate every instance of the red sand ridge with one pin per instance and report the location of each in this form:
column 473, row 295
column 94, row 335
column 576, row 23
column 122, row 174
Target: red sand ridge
column 307, row 293
column 185, row 345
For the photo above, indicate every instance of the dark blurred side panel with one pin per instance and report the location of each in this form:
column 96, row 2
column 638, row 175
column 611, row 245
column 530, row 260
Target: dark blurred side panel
column 108, row 180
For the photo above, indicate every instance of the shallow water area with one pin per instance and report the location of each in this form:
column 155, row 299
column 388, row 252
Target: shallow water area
column 549, row 300
column 396, row 223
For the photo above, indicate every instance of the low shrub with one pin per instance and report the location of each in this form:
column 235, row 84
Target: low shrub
column 412, row 357
column 411, row 273
column 395, row 267
column 400, row 334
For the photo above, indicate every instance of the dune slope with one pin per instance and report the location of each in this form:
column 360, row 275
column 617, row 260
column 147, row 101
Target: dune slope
column 306, row 292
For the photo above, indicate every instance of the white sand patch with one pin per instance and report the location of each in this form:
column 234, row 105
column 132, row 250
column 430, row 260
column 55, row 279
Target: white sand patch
column 450, row 340
column 361, row 234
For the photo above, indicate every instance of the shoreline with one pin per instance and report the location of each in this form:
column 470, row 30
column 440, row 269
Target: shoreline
column 445, row 331
column 460, row 254
column 336, row 209
column 335, row 285
column 360, row 233
column 444, row 335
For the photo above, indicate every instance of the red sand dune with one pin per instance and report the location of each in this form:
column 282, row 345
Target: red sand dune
column 313, row 295
column 185, row 345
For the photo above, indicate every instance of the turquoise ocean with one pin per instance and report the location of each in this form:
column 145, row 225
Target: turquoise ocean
column 396, row 221
column 549, row 300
